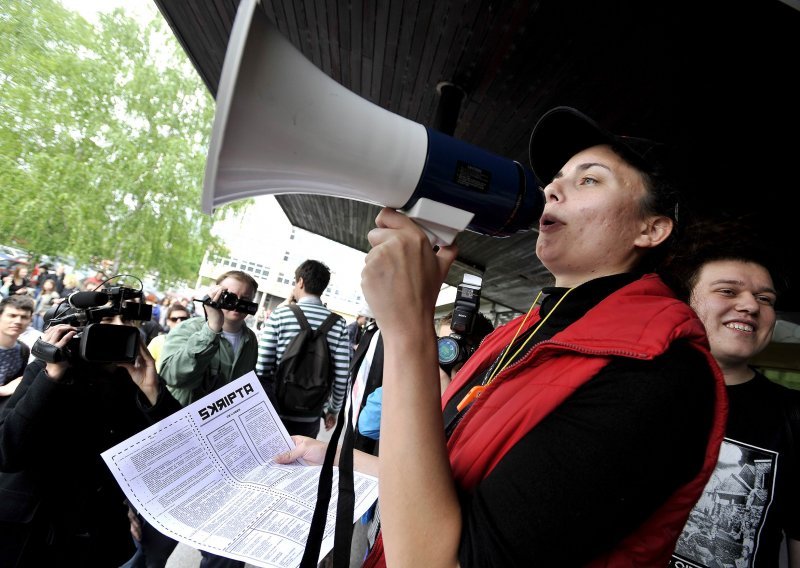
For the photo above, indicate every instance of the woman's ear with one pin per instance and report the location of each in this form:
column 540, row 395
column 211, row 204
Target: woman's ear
column 656, row 230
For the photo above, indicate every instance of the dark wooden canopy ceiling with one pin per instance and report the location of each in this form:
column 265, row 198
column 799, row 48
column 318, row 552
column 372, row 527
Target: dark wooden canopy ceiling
column 715, row 78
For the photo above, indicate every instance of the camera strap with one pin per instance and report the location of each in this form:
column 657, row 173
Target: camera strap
column 345, row 504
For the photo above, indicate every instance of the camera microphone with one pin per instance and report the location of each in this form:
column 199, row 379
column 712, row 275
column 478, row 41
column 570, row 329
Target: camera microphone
column 83, row 300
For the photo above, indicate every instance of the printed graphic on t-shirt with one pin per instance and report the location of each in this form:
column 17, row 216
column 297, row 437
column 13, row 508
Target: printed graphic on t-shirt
column 724, row 527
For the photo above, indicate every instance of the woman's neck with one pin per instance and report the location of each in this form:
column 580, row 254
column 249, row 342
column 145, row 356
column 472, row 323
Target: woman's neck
column 575, row 280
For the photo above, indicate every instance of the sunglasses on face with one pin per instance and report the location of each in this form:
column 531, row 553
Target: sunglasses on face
column 178, row 318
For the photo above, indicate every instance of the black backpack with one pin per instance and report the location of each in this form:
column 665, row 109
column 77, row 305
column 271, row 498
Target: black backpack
column 305, row 373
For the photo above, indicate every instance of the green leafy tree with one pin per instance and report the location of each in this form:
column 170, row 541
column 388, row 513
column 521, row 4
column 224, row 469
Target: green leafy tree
column 103, row 142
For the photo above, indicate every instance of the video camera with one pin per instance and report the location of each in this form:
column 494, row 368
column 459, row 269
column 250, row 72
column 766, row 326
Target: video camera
column 455, row 348
column 96, row 342
column 230, row 301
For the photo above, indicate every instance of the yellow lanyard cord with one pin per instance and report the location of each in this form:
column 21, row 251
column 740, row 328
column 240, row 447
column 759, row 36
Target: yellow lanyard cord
column 476, row 391
column 513, row 339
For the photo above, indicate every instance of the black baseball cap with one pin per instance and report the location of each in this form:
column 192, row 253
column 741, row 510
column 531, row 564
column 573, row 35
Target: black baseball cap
column 564, row 131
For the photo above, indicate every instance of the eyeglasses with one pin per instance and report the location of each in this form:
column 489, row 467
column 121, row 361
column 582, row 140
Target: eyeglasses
column 178, row 318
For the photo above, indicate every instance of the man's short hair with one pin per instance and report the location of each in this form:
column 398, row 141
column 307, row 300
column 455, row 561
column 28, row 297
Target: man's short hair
column 177, row 307
column 19, row 301
column 242, row 277
column 315, row 275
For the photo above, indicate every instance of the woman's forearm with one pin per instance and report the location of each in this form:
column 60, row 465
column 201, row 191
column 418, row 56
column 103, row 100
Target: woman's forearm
column 364, row 463
column 420, row 513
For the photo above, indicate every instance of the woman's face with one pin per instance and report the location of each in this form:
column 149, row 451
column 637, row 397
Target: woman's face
column 592, row 224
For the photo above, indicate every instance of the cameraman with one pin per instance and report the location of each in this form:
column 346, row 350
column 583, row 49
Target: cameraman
column 203, row 354
column 59, row 503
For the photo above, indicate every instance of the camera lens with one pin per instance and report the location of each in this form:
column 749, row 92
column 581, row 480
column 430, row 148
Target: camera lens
column 448, row 350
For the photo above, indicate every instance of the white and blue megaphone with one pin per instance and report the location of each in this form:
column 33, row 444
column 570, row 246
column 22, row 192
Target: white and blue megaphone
column 283, row 126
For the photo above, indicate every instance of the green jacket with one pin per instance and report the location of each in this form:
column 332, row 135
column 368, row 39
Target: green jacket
column 196, row 361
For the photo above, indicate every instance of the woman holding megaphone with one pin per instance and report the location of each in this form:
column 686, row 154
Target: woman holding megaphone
column 578, row 434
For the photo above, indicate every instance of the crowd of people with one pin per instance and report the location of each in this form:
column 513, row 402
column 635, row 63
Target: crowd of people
column 607, row 413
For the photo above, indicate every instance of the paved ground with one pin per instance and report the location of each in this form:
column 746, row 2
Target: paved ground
column 187, row 557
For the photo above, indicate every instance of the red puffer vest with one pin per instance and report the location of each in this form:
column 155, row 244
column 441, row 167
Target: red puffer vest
column 640, row 320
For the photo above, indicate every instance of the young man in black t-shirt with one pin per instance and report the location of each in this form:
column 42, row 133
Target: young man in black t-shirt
column 753, row 499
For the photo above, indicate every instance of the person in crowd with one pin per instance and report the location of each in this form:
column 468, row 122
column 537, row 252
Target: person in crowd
column 311, row 279
column 60, row 274
column 71, row 284
column 94, row 282
column 163, row 306
column 17, row 282
column 730, row 280
column 59, row 504
column 15, row 316
column 45, row 298
column 203, row 354
column 355, row 329
column 176, row 314
column 152, row 299
column 261, row 317
column 563, row 424
column 44, row 274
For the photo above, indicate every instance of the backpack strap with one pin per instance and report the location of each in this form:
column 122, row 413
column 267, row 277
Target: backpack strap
column 300, row 316
column 329, row 322
column 326, row 326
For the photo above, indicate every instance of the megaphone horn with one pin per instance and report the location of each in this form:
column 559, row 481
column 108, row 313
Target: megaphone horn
column 283, row 126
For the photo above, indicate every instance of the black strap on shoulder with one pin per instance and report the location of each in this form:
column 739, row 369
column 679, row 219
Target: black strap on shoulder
column 300, row 316
column 329, row 322
column 326, row 326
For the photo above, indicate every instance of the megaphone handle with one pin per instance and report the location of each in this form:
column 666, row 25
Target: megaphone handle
column 438, row 237
column 440, row 222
